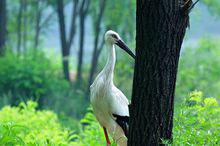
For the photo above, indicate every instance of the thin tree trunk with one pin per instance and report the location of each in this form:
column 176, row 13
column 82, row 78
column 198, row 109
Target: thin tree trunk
column 66, row 43
column 95, row 54
column 3, row 28
column 25, row 26
column 19, row 19
column 65, row 50
column 81, row 49
column 82, row 17
column 47, row 19
column 37, row 25
column 73, row 23
column 160, row 31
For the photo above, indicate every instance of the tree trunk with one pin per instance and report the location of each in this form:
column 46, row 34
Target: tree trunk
column 25, row 26
column 94, row 60
column 73, row 23
column 3, row 28
column 66, row 43
column 160, row 31
column 82, row 17
column 19, row 19
column 65, row 51
column 81, row 48
column 37, row 25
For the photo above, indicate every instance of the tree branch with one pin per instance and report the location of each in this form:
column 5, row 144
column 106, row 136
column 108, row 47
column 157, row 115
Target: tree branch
column 188, row 6
column 100, row 48
column 192, row 6
column 62, row 27
column 85, row 10
column 73, row 22
column 47, row 19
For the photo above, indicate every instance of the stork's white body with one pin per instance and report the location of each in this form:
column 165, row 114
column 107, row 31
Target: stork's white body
column 106, row 99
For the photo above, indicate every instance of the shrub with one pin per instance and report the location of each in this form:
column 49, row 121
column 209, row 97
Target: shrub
column 199, row 69
column 91, row 132
column 31, row 75
column 24, row 125
column 197, row 122
column 35, row 76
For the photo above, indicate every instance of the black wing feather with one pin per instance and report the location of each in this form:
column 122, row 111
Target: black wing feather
column 123, row 122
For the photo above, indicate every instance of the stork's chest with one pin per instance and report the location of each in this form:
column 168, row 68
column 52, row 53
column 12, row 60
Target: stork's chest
column 100, row 94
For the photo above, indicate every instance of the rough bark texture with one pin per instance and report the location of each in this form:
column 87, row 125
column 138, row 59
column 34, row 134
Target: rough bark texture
column 3, row 29
column 160, row 31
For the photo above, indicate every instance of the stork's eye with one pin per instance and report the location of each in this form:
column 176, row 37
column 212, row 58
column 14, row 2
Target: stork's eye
column 114, row 36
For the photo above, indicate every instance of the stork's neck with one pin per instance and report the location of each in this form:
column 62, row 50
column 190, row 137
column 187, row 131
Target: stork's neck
column 108, row 70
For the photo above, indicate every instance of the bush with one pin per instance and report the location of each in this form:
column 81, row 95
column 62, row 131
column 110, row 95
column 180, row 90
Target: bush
column 24, row 125
column 199, row 69
column 197, row 122
column 91, row 132
column 34, row 76
column 31, row 75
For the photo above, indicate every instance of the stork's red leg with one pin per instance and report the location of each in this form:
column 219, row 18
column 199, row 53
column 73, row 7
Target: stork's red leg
column 106, row 137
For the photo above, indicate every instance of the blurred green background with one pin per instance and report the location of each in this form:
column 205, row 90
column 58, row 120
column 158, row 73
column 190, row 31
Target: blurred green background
column 51, row 50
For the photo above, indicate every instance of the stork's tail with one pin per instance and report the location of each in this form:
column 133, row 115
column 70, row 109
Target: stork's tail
column 123, row 122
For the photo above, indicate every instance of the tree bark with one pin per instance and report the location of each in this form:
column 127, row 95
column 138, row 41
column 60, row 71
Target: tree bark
column 3, row 27
column 160, row 31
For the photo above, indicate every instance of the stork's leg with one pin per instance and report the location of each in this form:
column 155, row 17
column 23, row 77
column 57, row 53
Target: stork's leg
column 106, row 137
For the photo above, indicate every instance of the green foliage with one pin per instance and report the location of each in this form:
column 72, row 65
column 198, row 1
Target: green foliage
column 199, row 69
column 31, row 75
column 213, row 5
column 92, row 133
column 38, row 77
column 124, row 74
column 197, row 122
column 24, row 125
column 118, row 16
column 121, row 18
column 33, row 8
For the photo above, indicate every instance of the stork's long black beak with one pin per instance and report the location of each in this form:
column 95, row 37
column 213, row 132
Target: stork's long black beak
column 123, row 46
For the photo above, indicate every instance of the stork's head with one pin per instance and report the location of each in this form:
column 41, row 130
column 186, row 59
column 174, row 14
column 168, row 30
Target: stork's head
column 112, row 38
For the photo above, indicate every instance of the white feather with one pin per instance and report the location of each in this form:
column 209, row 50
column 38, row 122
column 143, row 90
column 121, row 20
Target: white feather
column 106, row 99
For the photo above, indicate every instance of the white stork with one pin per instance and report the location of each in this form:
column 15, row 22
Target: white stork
column 109, row 104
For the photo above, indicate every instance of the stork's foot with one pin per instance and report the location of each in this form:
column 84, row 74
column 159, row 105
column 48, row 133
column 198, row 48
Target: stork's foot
column 108, row 144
